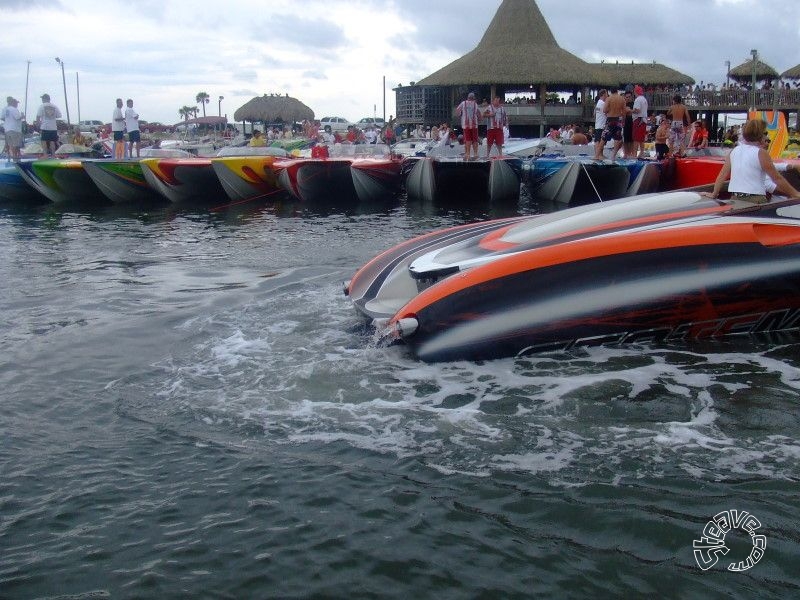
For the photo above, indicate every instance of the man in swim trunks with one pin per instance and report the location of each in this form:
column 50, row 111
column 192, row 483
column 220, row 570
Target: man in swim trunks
column 600, row 120
column 615, row 110
column 679, row 115
column 469, row 111
column 118, row 130
column 496, row 121
column 46, row 119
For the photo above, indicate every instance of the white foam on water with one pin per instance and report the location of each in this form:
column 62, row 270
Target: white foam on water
column 296, row 364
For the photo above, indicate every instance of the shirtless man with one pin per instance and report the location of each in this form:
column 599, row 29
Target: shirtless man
column 615, row 110
column 680, row 120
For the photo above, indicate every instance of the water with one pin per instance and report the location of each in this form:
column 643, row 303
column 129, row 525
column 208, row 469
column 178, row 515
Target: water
column 191, row 408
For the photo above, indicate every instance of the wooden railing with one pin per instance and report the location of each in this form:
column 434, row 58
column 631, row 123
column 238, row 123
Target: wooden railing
column 728, row 100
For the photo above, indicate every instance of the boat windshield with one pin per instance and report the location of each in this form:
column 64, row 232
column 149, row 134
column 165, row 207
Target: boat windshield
column 594, row 215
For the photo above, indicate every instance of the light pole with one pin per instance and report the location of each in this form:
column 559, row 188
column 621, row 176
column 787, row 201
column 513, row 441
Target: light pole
column 27, row 77
column 78, row 87
column 755, row 61
column 728, row 92
column 64, row 81
column 219, row 105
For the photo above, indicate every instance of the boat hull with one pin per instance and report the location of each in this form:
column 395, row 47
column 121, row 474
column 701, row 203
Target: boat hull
column 317, row 180
column 14, row 188
column 183, row 179
column 61, row 180
column 121, row 181
column 375, row 179
column 657, row 268
column 454, row 179
column 680, row 173
column 247, row 177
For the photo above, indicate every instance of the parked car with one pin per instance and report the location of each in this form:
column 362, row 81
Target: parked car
column 334, row 124
column 367, row 121
column 90, row 126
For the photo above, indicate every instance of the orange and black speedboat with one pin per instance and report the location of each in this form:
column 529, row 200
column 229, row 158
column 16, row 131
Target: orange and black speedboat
column 659, row 267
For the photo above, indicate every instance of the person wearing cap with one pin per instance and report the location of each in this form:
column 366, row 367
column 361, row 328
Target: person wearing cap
column 12, row 123
column 47, row 120
column 639, row 122
column 469, row 111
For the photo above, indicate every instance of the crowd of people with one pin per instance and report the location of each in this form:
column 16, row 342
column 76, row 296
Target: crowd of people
column 46, row 123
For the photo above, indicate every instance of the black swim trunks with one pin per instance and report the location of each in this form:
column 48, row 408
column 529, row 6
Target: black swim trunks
column 613, row 129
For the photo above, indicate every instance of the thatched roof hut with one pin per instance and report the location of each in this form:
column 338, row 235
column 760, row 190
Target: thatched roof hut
column 643, row 73
column 793, row 73
column 518, row 50
column 744, row 72
column 273, row 109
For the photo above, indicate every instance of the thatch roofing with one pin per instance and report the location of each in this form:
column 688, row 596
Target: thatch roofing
column 517, row 49
column 272, row 109
column 793, row 73
column 643, row 73
column 744, row 72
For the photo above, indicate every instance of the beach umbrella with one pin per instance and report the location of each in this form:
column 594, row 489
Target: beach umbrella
column 273, row 108
column 744, row 72
column 793, row 73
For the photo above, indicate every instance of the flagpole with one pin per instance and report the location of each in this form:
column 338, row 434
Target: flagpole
column 27, row 78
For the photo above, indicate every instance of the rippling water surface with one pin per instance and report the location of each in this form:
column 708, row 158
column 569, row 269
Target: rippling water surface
column 190, row 408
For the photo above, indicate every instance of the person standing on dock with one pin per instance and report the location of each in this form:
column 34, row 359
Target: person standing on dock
column 496, row 121
column 118, row 130
column 12, row 123
column 47, row 120
column 132, row 125
column 599, row 124
column 469, row 112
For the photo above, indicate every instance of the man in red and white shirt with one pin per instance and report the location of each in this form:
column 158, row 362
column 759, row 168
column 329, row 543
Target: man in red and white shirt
column 496, row 122
column 469, row 111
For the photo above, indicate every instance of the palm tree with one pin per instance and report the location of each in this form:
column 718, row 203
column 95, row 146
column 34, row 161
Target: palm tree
column 187, row 111
column 202, row 98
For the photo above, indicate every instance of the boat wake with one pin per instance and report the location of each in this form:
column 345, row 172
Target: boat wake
column 268, row 374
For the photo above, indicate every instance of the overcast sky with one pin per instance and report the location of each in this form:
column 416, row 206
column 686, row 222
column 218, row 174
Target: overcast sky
column 333, row 55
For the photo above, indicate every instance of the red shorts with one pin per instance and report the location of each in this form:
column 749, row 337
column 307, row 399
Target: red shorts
column 639, row 130
column 494, row 136
column 470, row 134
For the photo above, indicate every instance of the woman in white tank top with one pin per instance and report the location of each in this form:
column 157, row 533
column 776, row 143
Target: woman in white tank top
column 748, row 166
